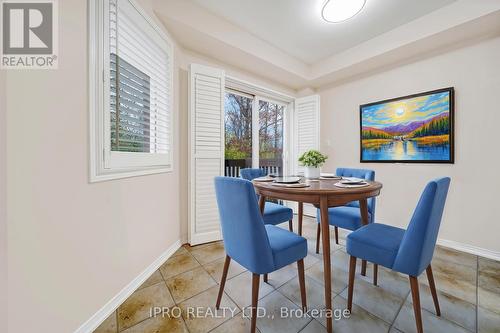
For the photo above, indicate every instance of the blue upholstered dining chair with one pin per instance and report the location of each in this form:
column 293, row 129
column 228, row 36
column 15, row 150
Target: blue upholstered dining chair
column 348, row 216
column 258, row 247
column 273, row 213
column 406, row 251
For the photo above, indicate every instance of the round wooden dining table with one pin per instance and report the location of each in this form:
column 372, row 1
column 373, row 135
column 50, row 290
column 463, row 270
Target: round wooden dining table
column 322, row 194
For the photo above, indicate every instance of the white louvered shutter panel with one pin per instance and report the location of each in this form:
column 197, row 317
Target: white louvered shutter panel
column 306, row 133
column 140, row 90
column 306, row 127
column 207, row 151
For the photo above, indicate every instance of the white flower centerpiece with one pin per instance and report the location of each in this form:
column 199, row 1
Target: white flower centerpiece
column 312, row 160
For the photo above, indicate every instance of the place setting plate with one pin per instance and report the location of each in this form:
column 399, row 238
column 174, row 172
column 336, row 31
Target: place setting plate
column 291, row 185
column 264, row 179
column 329, row 176
column 286, row 180
column 290, row 182
column 351, row 182
column 350, row 185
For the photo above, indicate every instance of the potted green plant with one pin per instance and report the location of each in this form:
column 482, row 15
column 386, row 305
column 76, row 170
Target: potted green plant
column 312, row 160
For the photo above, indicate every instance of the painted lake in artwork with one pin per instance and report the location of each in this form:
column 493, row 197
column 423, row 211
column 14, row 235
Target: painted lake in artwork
column 411, row 129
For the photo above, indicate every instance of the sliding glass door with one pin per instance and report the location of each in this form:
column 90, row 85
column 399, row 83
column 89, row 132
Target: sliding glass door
column 254, row 133
column 238, row 117
column 271, row 136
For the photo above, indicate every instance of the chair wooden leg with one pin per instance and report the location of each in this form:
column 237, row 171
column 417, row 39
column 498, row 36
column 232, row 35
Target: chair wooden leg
column 301, row 215
column 337, row 235
column 262, row 204
column 432, row 286
column 363, row 209
column 352, row 273
column 302, row 283
column 290, row 225
column 265, row 278
column 318, row 233
column 363, row 267
column 223, row 281
column 255, row 299
column 375, row 274
column 416, row 303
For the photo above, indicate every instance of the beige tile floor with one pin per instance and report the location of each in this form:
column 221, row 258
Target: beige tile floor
column 468, row 286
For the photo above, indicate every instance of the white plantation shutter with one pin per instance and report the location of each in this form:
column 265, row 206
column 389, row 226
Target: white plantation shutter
column 207, row 151
column 306, row 127
column 140, row 98
column 306, row 133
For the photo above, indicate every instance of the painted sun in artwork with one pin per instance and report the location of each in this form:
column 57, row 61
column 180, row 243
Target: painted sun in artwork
column 400, row 112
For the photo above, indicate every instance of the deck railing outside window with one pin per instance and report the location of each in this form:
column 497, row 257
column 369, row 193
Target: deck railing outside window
column 271, row 166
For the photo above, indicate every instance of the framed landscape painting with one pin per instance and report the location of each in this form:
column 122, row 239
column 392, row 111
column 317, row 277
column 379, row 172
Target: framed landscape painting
column 410, row 129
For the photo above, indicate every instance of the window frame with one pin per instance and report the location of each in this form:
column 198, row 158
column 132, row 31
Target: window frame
column 106, row 164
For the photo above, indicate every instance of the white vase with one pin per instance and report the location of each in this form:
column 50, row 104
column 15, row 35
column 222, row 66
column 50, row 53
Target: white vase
column 311, row 172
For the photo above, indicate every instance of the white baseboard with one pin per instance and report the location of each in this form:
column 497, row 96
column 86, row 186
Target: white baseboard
column 469, row 249
column 475, row 250
column 90, row 325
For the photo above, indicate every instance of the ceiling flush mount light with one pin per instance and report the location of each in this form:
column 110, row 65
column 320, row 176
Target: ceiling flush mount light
column 335, row 11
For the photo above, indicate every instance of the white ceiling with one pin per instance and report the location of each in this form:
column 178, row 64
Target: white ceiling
column 287, row 42
column 296, row 27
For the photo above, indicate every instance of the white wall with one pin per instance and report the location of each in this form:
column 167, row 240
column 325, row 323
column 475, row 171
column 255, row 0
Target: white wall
column 471, row 216
column 3, row 206
column 73, row 245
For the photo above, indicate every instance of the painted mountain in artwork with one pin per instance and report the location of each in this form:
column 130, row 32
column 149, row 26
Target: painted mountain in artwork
column 405, row 129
